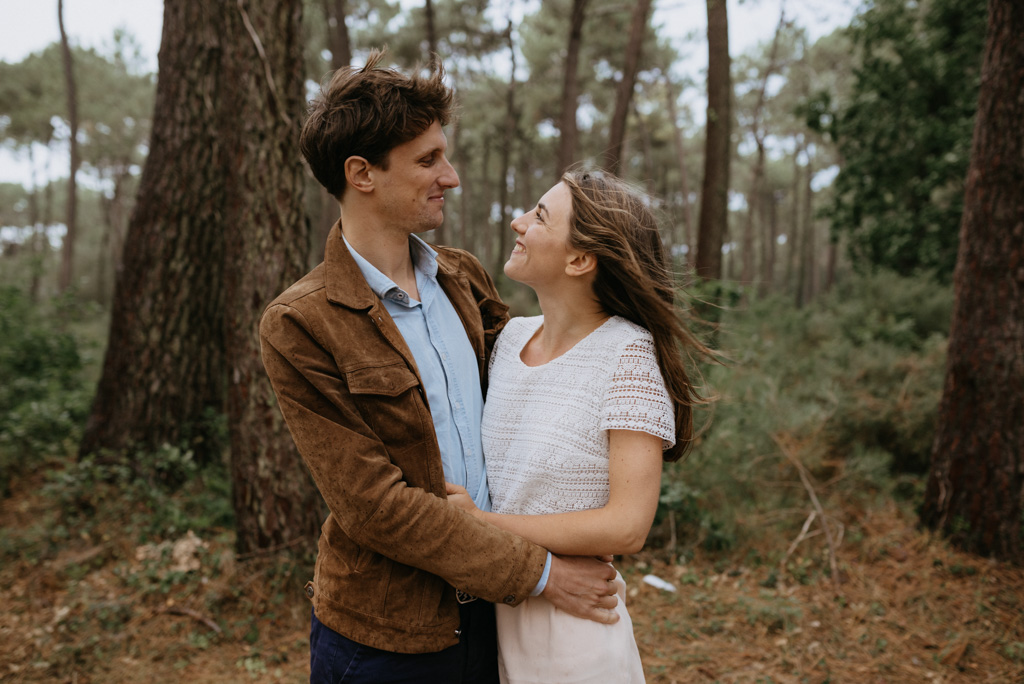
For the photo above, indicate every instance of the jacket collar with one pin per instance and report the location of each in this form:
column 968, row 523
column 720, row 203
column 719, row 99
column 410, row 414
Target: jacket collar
column 344, row 281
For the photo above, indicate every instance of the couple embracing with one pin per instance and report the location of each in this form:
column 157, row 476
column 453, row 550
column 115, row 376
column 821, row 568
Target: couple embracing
column 471, row 541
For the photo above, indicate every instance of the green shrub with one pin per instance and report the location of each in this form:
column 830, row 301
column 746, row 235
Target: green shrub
column 150, row 495
column 850, row 385
column 44, row 398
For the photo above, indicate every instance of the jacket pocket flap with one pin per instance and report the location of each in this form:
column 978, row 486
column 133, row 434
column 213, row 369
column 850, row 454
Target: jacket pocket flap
column 388, row 381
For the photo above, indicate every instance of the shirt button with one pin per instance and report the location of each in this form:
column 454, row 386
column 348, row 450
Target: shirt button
column 510, row 599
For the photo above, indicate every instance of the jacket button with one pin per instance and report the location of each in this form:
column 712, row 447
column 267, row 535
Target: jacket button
column 510, row 599
column 309, row 590
column 458, row 633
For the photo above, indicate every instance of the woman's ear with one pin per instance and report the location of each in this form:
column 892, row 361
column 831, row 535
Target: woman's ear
column 357, row 174
column 581, row 264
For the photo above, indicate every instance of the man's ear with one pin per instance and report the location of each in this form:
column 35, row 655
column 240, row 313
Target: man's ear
column 581, row 264
column 358, row 174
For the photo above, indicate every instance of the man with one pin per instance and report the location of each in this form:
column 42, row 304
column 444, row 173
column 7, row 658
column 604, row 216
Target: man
column 376, row 357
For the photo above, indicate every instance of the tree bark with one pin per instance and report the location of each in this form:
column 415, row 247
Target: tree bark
column 338, row 40
column 431, row 30
column 757, row 173
column 753, row 207
column 714, row 210
column 624, row 92
column 274, row 498
column 508, row 140
column 37, row 243
column 648, row 150
column 570, row 88
column 769, row 223
column 684, row 181
column 808, row 281
column 217, row 231
column 340, row 44
column 163, row 374
column 794, row 232
column 831, row 257
column 975, row 485
column 71, row 220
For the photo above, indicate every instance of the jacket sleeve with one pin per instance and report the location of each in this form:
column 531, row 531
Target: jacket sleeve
column 364, row 489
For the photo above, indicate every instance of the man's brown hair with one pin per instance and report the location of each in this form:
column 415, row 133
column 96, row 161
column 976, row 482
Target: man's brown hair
column 367, row 112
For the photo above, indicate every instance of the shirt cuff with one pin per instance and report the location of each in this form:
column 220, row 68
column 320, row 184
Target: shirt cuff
column 543, row 581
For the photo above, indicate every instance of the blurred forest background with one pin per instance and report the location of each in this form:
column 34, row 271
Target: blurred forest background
column 847, row 214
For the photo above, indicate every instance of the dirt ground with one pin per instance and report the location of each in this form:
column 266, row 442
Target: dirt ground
column 906, row 609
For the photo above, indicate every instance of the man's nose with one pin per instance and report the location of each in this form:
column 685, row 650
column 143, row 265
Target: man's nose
column 450, row 178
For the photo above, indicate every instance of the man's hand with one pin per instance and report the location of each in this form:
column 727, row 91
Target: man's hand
column 583, row 586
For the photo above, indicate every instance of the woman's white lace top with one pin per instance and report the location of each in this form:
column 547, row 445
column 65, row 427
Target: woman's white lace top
column 545, row 427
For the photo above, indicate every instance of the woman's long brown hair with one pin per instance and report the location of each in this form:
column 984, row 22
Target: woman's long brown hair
column 616, row 224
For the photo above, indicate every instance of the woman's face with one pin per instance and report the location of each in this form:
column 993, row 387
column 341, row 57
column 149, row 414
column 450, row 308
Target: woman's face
column 542, row 251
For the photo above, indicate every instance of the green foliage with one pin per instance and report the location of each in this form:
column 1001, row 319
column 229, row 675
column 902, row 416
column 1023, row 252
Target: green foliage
column 150, row 495
column 905, row 137
column 114, row 118
column 43, row 396
column 850, row 386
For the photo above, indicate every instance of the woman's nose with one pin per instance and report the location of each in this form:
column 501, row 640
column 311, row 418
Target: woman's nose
column 517, row 224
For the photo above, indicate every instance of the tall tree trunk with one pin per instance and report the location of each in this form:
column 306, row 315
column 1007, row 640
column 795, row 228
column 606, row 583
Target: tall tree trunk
column 831, row 257
column 793, row 233
column 459, row 239
column 163, row 374
column 570, row 88
column 714, row 208
column 113, row 234
column 440, row 234
column 338, row 40
column 753, row 207
column 811, row 237
column 807, row 277
column 431, row 30
column 485, row 238
column 274, row 498
column 38, row 244
column 71, row 220
column 217, row 231
column 684, row 181
column 769, row 224
column 975, row 485
column 624, row 93
column 647, row 147
column 340, row 45
column 757, row 173
column 508, row 140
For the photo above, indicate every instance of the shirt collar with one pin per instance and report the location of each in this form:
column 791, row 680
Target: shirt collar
column 424, row 260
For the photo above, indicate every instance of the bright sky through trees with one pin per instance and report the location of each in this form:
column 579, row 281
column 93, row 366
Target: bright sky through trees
column 31, row 26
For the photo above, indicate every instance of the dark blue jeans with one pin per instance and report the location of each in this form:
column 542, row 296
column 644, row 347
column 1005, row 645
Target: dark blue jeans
column 334, row 659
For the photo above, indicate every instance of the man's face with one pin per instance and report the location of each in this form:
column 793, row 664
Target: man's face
column 411, row 190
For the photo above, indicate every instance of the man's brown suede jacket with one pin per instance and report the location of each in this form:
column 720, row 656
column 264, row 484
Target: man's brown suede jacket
column 392, row 548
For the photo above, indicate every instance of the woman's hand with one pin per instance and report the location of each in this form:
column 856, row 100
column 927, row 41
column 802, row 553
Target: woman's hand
column 460, row 497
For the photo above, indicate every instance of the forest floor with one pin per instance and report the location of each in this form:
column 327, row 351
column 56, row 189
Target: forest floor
column 103, row 608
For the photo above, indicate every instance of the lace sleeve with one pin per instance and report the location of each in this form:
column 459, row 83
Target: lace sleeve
column 636, row 398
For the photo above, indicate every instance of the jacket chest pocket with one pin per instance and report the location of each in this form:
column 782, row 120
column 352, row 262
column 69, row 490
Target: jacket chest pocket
column 389, row 399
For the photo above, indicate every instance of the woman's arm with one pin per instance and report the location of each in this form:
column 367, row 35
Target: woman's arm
column 621, row 526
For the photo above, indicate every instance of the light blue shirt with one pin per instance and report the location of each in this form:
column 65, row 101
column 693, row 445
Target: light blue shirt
column 446, row 362
column 448, row 369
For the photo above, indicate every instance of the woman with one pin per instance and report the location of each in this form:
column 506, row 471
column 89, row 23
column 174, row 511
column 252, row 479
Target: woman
column 584, row 403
